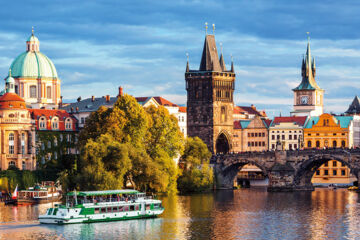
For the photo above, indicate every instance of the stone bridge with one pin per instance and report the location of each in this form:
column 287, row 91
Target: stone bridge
column 286, row 170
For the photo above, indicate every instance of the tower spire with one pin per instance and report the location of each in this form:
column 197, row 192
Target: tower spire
column 206, row 28
column 187, row 63
column 232, row 64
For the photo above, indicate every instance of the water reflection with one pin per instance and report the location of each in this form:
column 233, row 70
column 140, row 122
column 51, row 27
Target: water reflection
column 239, row 214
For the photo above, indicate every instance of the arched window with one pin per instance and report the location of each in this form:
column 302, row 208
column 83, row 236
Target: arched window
column 55, row 123
column 326, row 143
column 12, row 163
column 23, row 143
column 309, row 144
column 23, row 165
column 42, row 123
column 68, row 124
column 317, row 144
column 11, row 143
column 223, row 114
column 343, row 143
column 33, row 91
column 48, row 92
column 334, row 144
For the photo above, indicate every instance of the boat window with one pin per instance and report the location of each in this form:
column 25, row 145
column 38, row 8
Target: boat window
column 137, row 207
column 55, row 211
column 121, row 209
column 147, row 206
column 114, row 209
column 50, row 211
column 109, row 209
column 126, row 208
column 97, row 210
column 132, row 208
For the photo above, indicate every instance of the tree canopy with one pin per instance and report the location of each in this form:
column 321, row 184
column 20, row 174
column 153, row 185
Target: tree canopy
column 129, row 144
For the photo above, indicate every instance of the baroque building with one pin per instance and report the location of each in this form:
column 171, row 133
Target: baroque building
column 308, row 96
column 17, row 132
column 210, row 104
column 36, row 79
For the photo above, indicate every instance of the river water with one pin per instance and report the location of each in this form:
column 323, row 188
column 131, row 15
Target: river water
column 239, row 214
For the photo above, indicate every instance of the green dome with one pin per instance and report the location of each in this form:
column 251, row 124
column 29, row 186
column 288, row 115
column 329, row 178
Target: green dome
column 33, row 64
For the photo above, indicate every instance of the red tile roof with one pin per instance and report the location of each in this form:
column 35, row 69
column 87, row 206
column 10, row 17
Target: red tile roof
column 12, row 100
column 182, row 109
column 237, row 125
column 50, row 113
column 267, row 122
column 160, row 100
column 298, row 120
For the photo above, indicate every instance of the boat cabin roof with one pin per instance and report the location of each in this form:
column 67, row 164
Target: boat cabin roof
column 105, row 192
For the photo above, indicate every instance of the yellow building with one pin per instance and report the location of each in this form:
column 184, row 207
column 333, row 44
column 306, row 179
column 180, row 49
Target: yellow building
column 328, row 131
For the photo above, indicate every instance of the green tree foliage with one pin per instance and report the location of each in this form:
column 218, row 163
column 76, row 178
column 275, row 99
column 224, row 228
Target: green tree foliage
column 197, row 174
column 129, row 144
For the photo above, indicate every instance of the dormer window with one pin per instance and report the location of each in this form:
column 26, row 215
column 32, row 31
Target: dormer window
column 55, row 123
column 42, row 123
column 68, row 124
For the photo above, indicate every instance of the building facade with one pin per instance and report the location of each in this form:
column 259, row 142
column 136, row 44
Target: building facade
column 250, row 135
column 210, row 99
column 287, row 131
column 17, row 139
column 308, row 96
column 333, row 172
column 36, row 79
column 328, row 131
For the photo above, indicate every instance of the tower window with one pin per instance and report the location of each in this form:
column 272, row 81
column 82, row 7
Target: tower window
column 11, row 143
column 48, row 92
column 223, row 114
column 33, row 91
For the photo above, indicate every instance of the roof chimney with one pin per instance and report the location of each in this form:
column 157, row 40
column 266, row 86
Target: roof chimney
column 107, row 97
column 120, row 91
column 93, row 98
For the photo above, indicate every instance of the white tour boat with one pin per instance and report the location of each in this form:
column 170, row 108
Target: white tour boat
column 102, row 206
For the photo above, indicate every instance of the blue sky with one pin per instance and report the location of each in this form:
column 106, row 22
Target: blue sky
column 97, row 46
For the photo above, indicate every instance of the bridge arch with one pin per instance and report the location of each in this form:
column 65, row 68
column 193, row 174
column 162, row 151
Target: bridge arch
column 305, row 170
column 229, row 172
column 222, row 144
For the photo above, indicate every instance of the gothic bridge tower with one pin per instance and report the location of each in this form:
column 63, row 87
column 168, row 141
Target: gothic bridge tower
column 210, row 99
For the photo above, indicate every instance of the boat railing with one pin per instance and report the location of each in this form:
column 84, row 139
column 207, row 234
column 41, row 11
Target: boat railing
column 112, row 200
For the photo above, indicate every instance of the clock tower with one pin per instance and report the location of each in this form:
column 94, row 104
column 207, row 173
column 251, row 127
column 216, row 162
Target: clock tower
column 308, row 96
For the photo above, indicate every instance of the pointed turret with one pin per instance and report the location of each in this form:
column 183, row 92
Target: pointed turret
column 222, row 63
column 232, row 65
column 210, row 58
column 10, row 83
column 354, row 107
column 308, row 72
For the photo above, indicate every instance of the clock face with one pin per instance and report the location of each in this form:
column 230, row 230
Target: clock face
column 304, row 99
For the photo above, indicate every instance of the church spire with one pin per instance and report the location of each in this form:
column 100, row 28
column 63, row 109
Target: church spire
column 222, row 62
column 232, row 64
column 308, row 71
column 32, row 44
column 210, row 58
column 187, row 63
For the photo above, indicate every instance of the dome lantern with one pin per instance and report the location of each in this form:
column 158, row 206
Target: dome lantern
column 32, row 44
column 10, row 83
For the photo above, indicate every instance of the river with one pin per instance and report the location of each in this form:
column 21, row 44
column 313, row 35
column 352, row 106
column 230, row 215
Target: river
column 239, row 214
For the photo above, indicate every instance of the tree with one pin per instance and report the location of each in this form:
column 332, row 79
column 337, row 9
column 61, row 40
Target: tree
column 197, row 174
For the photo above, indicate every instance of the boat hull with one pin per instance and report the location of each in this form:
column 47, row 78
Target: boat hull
column 38, row 200
column 45, row 219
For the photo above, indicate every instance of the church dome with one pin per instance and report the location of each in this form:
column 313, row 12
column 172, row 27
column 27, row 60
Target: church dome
column 33, row 63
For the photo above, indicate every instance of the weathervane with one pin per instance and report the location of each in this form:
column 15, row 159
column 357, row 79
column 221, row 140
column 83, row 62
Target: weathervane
column 206, row 27
column 213, row 28
column 32, row 30
column 308, row 34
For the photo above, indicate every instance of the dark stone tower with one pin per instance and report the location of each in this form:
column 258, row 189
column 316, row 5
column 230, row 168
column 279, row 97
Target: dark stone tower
column 210, row 99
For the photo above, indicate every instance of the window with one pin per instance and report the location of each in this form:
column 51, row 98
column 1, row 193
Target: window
column 33, row 91
column 283, row 137
column 252, row 134
column 42, row 123
column 295, row 137
column 272, row 146
column 309, row 144
column 48, row 92
column 273, row 137
column 11, row 143
column 343, row 173
column 23, row 143
column 248, row 144
column 309, row 134
column 278, row 137
column 12, row 163
column 326, row 164
column 290, row 146
column 223, row 114
column 326, row 172
column 82, row 120
column 249, row 134
column 334, row 144
column 334, row 134
column 317, row 144
column 334, row 163
column 334, row 172
column 290, row 137
column 295, row 146
column 343, row 144
column 23, row 165
column 68, row 124
column 55, row 123
column 318, row 172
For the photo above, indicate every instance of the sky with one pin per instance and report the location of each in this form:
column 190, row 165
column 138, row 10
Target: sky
column 98, row 46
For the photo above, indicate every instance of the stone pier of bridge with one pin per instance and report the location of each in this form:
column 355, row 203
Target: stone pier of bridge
column 286, row 170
